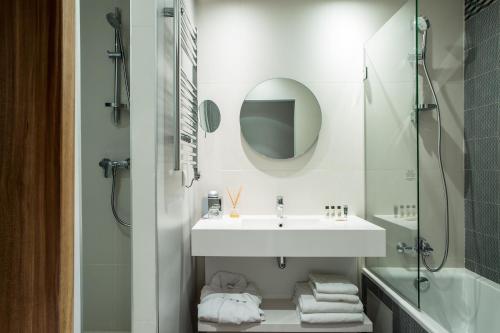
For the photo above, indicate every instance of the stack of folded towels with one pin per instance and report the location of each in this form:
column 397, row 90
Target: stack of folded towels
column 230, row 299
column 328, row 299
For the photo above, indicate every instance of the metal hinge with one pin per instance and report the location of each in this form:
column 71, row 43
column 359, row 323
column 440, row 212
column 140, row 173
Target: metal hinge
column 365, row 73
column 168, row 12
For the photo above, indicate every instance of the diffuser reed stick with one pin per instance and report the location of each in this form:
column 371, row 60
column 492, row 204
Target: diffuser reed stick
column 234, row 202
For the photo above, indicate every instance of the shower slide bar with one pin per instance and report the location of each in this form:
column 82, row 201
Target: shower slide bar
column 186, row 90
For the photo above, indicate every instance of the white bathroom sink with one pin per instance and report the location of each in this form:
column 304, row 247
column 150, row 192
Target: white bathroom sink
column 292, row 236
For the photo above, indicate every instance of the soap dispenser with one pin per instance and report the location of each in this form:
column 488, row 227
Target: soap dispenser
column 214, row 204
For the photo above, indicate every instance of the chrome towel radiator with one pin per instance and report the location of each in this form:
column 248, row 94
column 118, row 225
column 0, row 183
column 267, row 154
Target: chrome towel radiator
column 186, row 89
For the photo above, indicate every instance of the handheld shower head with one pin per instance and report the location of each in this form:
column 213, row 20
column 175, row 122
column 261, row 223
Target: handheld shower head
column 422, row 23
column 114, row 20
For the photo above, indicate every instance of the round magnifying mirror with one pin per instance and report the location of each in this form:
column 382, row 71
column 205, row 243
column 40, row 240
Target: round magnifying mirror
column 209, row 114
column 280, row 118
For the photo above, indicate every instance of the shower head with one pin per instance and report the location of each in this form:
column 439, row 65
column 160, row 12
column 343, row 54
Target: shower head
column 114, row 20
column 422, row 23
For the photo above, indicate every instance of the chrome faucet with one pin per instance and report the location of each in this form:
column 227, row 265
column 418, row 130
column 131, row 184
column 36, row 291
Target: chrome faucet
column 421, row 246
column 280, row 207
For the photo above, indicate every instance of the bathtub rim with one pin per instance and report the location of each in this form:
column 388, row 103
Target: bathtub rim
column 422, row 318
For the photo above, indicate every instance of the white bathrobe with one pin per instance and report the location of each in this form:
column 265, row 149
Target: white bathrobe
column 227, row 308
column 229, row 299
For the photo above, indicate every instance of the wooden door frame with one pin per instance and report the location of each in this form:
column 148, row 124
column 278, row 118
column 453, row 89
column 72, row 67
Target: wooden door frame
column 37, row 166
column 66, row 291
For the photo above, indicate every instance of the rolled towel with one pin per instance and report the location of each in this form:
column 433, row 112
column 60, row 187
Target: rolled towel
column 332, row 284
column 323, row 297
column 228, row 282
column 304, row 298
column 330, row 318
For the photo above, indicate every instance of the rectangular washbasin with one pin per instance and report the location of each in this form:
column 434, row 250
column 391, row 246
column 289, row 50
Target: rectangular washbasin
column 291, row 236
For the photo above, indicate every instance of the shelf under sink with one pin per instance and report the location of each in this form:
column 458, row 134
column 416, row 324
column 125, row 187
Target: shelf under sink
column 281, row 316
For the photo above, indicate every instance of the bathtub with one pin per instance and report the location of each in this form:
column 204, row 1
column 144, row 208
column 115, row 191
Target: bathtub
column 458, row 300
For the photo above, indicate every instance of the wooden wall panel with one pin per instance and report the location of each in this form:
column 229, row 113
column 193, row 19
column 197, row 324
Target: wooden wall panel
column 36, row 166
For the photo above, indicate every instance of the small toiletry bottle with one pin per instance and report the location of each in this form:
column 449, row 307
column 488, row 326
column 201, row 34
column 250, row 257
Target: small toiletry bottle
column 408, row 210
column 332, row 211
column 346, row 209
column 401, row 211
column 327, row 211
column 339, row 211
column 414, row 210
column 396, row 211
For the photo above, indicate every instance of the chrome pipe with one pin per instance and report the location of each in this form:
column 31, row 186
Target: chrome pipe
column 116, row 94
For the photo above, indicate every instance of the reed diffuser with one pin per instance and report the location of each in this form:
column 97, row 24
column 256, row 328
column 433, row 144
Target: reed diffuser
column 234, row 203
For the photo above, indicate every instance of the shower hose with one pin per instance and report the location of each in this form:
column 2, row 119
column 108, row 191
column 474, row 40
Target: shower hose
column 114, row 173
column 443, row 179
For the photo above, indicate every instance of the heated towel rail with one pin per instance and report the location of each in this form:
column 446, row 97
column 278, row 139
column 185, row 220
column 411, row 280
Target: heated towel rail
column 186, row 89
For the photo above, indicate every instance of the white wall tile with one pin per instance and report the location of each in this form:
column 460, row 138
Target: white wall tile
column 318, row 43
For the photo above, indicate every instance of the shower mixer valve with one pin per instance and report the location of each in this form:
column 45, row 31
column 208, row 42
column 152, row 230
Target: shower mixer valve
column 106, row 164
column 421, row 245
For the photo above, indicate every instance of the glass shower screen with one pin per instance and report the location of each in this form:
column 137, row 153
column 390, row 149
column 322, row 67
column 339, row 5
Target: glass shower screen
column 391, row 153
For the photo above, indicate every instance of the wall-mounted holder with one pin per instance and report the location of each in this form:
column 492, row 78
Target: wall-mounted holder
column 281, row 262
column 118, row 56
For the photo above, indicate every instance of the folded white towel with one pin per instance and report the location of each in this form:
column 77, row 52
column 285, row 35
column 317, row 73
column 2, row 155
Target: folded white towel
column 323, row 297
column 304, row 298
column 332, row 284
column 230, row 309
column 228, row 282
column 330, row 318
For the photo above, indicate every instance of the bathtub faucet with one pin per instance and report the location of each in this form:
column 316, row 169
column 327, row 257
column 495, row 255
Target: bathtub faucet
column 404, row 248
column 420, row 244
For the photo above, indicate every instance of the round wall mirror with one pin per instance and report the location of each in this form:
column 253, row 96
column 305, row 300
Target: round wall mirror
column 209, row 114
column 280, row 118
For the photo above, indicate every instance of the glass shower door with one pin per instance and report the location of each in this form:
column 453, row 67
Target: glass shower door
column 391, row 153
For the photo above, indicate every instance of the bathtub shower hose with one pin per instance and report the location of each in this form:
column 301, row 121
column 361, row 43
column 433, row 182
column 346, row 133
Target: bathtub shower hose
column 443, row 180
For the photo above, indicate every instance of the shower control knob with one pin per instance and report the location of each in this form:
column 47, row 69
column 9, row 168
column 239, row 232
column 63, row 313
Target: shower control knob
column 105, row 164
column 425, row 248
